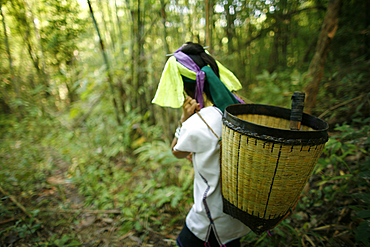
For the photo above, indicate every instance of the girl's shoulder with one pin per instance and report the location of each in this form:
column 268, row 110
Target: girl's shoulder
column 211, row 115
column 211, row 111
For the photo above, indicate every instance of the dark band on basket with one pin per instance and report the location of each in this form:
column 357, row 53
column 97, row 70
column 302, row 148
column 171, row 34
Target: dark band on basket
column 317, row 136
column 294, row 142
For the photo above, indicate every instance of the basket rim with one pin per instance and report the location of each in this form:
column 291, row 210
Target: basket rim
column 316, row 136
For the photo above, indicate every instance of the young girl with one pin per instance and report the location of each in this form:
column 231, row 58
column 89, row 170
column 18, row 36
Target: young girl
column 202, row 86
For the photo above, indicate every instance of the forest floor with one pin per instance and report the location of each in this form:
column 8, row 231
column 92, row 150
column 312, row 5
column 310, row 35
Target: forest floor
column 323, row 217
column 90, row 227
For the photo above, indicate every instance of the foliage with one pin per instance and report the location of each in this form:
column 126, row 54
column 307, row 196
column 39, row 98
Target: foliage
column 279, row 86
column 355, row 141
column 98, row 163
column 96, row 158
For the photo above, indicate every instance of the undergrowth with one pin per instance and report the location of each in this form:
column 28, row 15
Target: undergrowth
column 43, row 159
column 47, row 164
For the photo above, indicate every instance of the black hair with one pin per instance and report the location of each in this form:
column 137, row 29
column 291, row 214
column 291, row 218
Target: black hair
column 196, row 52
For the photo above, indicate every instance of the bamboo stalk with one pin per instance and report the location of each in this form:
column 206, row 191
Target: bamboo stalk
column 110, row 79
column 12, row 79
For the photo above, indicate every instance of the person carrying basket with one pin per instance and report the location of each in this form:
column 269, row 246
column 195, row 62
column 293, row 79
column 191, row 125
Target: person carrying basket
column 195, row 81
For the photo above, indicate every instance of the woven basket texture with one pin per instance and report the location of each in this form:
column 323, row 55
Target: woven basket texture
column 260, row 180
column 269, row 121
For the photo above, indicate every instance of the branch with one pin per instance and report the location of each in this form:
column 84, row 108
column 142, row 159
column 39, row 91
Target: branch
column 258, row 36
column 87, row 114
column 149, row 29
column 320, row 7
column 56, row 116
column 290, row 14
column 7, row 221
column 281, row 18
column 72, row 211
column 20, row 206
column 342, row 104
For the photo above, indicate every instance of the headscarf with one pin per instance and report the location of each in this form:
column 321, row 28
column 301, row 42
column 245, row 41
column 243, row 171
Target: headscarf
column 170, row 90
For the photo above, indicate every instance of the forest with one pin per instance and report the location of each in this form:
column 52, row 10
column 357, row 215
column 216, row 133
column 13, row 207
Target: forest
column 85, row 157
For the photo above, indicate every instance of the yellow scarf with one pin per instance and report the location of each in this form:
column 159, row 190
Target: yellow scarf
column 170, row 90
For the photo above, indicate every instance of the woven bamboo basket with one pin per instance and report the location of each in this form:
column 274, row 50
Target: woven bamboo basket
column 264, row 164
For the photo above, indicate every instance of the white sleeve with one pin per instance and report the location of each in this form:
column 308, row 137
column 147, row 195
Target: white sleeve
column 195, row 136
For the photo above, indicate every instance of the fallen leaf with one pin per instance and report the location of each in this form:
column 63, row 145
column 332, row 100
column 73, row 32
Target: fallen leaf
column 126, row 235
column 136, row 239
column 88, row 221
column 56, row 180
column 102, row 230
column 107, row 220
column 309, row 240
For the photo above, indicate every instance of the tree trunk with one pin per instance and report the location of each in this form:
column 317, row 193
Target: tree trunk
column 120, row 86
column 229, row 28
column 25, row 25
column 132, row 81
column 182, row 23
column 111, row 28
column 367, row 37
column 110, row 79
column 12, row 79
column 211, row 25
column 104, row 33
column 137, row 55
column 274, row 56
column 163, row 15
column 121, row 40
column 208, row 37
column 142, row 71
column 43, row 72
column 316, row 68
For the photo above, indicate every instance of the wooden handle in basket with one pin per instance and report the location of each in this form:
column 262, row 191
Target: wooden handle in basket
column 297, row 110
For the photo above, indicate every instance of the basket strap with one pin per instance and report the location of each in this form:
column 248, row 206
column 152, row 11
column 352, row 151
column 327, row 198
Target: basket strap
column 207, row 125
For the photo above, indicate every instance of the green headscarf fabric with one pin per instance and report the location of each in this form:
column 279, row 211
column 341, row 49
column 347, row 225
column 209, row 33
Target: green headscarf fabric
column 170, row 92
column 221, row 96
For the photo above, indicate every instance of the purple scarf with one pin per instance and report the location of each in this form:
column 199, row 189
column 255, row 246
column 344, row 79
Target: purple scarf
column 200, row 75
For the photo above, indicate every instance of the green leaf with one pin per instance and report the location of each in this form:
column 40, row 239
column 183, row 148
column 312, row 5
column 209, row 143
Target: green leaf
column 363, row 214
column 177, row 197
column 363, row 196
column 74, row 243
column 337, row 146
column 138, row 226
column 365, row 175
column 363, row 232
column 73, row 113
column 64, row 240
column 335, row 178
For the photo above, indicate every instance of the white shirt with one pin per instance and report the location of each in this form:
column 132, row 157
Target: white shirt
column 197, row 138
